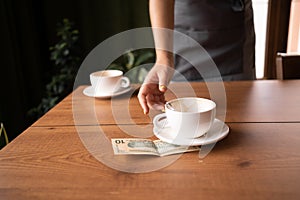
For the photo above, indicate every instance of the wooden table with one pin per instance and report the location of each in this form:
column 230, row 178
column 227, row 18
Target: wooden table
column 259, row 159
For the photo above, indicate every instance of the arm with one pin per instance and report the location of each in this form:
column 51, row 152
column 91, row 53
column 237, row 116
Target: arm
column 151, row 94
column 162, row 17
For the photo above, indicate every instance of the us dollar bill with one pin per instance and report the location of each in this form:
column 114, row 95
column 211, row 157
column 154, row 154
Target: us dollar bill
column 138, row 146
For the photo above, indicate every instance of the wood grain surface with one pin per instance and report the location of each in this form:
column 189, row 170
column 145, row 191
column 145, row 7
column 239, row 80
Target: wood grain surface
column 246, row 101
column 255, row 161
column 67, row 153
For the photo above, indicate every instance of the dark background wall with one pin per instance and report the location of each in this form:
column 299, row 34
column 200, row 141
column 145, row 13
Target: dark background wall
column 28, row 28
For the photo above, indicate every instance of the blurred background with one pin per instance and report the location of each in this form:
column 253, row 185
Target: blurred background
column 29, row 28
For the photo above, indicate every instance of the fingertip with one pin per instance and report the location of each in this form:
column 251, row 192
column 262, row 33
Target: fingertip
column 146, row 111
column 162, row 88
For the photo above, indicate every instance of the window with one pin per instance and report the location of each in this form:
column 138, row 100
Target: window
column 260, row 12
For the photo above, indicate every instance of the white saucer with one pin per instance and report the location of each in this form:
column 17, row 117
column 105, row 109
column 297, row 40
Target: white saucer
column 90, row 92
column 217, row 132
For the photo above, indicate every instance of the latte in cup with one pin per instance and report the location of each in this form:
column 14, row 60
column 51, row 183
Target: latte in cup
column 108, row 81
column 190, row 117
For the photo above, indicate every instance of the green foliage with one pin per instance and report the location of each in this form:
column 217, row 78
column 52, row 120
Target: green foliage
column 64, row 54
column 3, row 136
column 129, row 62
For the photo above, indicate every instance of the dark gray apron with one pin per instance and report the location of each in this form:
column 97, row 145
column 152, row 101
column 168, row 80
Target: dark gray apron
column 225, row 29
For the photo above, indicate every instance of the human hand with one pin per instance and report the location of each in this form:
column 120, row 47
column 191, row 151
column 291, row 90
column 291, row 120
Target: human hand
column 151, row 94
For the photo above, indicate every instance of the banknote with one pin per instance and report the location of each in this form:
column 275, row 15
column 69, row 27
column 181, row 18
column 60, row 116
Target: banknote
column 139, row 146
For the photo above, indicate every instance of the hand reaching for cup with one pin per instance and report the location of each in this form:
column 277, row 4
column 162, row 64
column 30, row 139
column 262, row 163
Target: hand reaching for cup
column 151, row 94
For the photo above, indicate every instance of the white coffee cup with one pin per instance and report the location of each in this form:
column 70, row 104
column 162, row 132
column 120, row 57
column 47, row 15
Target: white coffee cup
column 108, row 81
column 190, row 117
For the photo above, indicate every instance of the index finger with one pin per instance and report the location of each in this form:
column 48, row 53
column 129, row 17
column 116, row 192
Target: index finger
column 143, row 101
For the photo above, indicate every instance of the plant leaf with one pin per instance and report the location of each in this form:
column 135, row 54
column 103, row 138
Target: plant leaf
column 143, row 58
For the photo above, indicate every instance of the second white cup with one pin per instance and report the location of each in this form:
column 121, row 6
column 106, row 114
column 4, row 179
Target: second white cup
column 108, row 81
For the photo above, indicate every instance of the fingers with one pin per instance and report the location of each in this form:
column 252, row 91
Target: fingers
column 143, row 102
column 151, row 94
column 150, row 97
column 154, row 102
column 164, row 76
column 157, row 107
column 162, row 88
column 163, row 82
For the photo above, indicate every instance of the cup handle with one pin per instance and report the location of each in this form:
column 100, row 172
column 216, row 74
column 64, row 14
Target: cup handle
column 125, row 82
column 160, row 121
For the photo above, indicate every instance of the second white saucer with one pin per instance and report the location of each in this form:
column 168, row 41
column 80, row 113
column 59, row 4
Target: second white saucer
column 90, row 92
column 218, row 131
